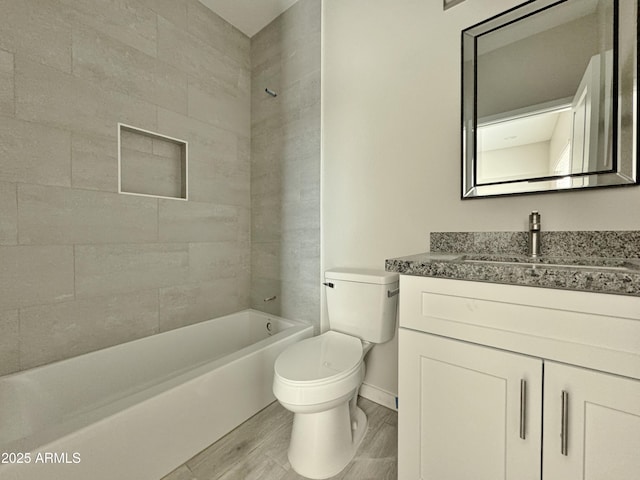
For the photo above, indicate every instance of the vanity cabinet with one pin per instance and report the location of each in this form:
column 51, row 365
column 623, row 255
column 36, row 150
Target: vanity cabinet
column 460, row 412
column 601, row 420
column 499, row 381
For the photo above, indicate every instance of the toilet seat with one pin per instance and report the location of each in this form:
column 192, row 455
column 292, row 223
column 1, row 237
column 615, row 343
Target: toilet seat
column 319, row 359
column 319, row 369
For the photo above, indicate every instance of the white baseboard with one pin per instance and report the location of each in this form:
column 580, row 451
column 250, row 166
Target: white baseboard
column 379, row 396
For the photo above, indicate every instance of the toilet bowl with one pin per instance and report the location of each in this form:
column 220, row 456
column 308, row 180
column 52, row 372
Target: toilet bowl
column 318, row 380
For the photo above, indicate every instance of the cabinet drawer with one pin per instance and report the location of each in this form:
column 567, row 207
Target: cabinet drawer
column 593, row 330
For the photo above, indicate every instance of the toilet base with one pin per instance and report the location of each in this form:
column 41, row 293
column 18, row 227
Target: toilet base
column 323, row 443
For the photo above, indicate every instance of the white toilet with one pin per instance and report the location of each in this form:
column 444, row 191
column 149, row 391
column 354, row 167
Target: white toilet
column 318, row 378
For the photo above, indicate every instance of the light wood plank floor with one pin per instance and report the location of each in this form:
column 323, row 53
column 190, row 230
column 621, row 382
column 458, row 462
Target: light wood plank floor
column 257, row 450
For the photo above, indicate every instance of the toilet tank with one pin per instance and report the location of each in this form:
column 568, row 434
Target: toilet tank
column 362, row 302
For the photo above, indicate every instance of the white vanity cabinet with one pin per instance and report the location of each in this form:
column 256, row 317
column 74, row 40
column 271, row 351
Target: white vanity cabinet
column 601, row 420
column 522, row 383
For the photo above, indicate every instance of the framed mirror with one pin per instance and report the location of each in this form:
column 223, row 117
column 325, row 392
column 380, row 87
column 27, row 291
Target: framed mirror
column 549, row 98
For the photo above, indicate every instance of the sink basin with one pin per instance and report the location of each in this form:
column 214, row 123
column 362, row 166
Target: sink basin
column 589, row 263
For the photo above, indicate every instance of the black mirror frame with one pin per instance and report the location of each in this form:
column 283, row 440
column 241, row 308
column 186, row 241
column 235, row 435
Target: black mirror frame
column 626, row 163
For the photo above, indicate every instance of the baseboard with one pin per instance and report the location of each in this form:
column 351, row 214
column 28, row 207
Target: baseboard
column 379, row 396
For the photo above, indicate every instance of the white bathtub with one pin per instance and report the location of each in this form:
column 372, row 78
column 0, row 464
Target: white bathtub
column 140, row 409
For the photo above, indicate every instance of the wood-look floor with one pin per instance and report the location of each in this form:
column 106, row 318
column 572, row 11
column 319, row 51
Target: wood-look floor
column 257, row 450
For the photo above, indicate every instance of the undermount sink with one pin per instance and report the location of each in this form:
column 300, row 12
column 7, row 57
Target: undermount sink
column 591, row 263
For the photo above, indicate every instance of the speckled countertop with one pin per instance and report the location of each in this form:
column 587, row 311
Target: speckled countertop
column 497, row 257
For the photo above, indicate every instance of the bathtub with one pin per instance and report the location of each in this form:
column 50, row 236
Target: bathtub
column 140, row 409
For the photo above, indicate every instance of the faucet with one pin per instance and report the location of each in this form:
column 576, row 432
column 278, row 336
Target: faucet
column 534, row 234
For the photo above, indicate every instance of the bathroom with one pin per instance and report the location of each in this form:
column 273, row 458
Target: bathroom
column 354, row 161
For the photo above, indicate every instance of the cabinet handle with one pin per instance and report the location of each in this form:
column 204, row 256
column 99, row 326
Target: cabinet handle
column 523, row 408
column 564, row 428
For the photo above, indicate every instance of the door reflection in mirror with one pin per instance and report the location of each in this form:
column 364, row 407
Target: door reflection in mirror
column 544, row 95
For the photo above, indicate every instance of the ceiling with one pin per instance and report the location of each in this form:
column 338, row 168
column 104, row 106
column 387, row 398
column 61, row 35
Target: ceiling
column 248, row 16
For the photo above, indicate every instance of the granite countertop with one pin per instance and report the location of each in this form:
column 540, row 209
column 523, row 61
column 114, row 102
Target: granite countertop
column 603, row 262
column 603, row 275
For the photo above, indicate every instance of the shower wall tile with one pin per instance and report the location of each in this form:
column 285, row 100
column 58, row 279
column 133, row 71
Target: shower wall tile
column 300, row 251
column 298, row 215
column 267, row 44
column 197, row 222
column 266, row 219
column 6, row 62
column 196, row 302
column 266, row 259
column 285, row 164
column 77, row 259
column 244, row 225
column 115, row 66
column 129, row 21
column 263, row 289
column 68, row 329
column 302, row 62
column 34, row 153
column 224, row 183
column 300, row 301
column 243, row 150
column 57, row 215
column 8, row 214
column 174, row 11
column 35, row 275
column 7, row 96
column 268, row 185
column 221, row 109
column 302, row 20
column 112, row 269
column 243, row 282
column 266, row 153
column 195, row 57
column 48, row 96
column 205, row 141
column 217, row 180
column 38, row 30
column 216, row 173
column 94, row 162
column 211, row 261
column 213, row 30
column 9, row 342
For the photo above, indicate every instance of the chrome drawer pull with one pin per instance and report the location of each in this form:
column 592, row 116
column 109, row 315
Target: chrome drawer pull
column 564, row 428
column 523, row 408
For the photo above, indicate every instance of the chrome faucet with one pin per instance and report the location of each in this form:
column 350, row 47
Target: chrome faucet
column 534, row 234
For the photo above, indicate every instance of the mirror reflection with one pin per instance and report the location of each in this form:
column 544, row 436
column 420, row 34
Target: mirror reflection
column 539, row 98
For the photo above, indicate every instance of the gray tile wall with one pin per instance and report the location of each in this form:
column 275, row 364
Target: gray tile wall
column 285, row 164
column 81, row 267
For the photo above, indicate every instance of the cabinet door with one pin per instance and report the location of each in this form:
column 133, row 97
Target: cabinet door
column 459, row 415
column 602, row 422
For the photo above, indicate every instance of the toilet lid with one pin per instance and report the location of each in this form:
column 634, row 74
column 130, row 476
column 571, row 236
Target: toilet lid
column 319, row 358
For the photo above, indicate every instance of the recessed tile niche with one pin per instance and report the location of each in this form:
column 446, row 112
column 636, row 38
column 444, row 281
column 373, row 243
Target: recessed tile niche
column 151, row 164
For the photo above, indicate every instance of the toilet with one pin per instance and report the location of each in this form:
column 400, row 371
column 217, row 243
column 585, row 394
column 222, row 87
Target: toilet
column 318, row 378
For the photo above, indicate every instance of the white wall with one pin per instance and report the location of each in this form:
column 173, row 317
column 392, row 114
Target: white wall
column 523, row 161
column 391, row 144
